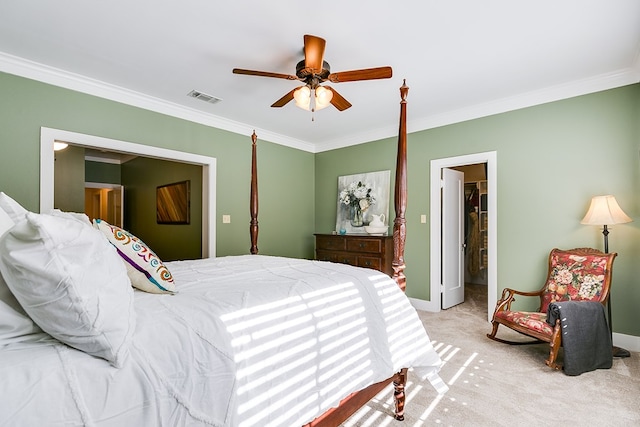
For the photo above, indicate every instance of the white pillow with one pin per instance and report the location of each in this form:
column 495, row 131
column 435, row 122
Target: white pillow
column 74, row 216
column 13, row 209
column 146, row 270
column 5, row 220
column 71, row 282
column 15, row 325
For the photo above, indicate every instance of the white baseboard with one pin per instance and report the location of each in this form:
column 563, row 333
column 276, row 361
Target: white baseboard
column 420, row 304
column 628, row 342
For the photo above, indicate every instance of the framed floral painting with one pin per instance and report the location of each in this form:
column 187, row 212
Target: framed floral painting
column 361, row 198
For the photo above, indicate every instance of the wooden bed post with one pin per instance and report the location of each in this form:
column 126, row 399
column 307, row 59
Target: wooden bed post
column 253, row 201
column 398, row 393
column 400, row 195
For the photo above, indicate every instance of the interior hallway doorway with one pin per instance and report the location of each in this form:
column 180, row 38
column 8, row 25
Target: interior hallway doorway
column 438, row 233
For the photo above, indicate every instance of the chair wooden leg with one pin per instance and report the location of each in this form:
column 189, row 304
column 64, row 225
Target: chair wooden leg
column 554, row 347
column 492, row 335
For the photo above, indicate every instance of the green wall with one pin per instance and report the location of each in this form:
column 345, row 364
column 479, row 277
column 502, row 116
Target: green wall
column 104, row 173
column 140, row 177
column 69, row 178
column 551, row 159
column 27, row 105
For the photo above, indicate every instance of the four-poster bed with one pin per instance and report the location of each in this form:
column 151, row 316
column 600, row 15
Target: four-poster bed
column 355, row 401
column 247, row 341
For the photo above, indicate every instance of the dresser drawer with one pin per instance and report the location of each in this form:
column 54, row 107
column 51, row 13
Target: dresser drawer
column 339, row 257
column 347, row 258
column 364, row 245
column 326, row 256
column 370, row 262
column 375, row 252
column 331, row 243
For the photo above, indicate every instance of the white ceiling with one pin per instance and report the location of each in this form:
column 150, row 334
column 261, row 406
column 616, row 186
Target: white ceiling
column 462, row 59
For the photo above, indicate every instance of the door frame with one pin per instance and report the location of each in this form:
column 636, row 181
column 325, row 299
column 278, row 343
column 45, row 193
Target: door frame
column 490, row 158
column 47, row 160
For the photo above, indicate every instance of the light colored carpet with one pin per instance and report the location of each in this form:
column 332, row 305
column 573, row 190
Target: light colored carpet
column 495, row 384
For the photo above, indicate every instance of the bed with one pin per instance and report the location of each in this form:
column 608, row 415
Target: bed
column 251, row 340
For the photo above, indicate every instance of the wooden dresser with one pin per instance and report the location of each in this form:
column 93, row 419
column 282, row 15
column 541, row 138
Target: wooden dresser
column 360, row 250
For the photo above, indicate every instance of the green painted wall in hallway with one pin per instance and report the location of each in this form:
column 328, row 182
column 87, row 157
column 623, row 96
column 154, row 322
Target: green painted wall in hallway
column 140, row 177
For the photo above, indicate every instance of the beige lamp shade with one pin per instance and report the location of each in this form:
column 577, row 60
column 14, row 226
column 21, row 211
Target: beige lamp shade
column 604, row 210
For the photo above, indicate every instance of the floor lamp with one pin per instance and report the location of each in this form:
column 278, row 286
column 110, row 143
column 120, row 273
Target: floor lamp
column 604, row 210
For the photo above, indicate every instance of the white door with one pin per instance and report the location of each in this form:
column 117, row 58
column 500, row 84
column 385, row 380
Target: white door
column 452, row 237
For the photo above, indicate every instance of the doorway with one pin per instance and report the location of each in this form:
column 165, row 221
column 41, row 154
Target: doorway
column 48, row 136
column 475, row 223
column 104, row 201
column 436, row 230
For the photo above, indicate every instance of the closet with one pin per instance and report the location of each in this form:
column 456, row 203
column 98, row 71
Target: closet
column 476, row 221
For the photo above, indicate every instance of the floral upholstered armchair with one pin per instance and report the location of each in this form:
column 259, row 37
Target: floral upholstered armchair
column 581, row 274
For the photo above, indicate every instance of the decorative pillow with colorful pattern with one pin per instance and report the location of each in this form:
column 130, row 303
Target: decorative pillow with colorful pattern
column 146, row 271
column 574, row 278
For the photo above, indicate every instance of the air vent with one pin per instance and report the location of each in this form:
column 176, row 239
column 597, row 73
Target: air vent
column 204, row 97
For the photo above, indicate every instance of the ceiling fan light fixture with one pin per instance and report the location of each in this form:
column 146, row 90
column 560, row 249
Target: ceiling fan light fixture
column 312, row 71
column 323, row 97
column 302, row 96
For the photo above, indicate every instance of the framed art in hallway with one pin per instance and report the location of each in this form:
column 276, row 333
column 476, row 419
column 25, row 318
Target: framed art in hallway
column 172, row 203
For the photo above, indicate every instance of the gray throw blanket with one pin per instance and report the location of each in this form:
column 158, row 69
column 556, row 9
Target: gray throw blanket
column 585, row 335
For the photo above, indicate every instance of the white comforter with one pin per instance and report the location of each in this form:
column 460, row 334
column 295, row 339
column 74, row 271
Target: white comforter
column 248, row 341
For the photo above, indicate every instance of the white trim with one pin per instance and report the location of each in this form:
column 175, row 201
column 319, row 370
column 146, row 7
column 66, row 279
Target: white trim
column 102, row 160
column 572, row 89
column 88, row 184
column 48, row 136
column 33, row 70
column 490, row 158
column 420, row 304
column 628, row 342
column 58, row 77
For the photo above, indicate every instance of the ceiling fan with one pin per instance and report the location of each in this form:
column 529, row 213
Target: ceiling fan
column 312, row 71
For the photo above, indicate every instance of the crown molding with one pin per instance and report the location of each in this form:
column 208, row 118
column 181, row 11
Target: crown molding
column 33, row 70
column 529, row 99
column 636, row 65
column 43, row 73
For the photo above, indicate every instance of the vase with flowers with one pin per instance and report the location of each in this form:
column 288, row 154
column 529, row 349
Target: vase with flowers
column 358, row 197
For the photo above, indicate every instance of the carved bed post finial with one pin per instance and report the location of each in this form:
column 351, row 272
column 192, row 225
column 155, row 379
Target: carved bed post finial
column 400, row 194
column 253, row 201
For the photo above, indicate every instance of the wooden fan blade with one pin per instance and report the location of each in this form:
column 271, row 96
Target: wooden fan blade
column 284, row 100
column 313, row 53
column 338, row 100
column 366, row 74
column 264, row 74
